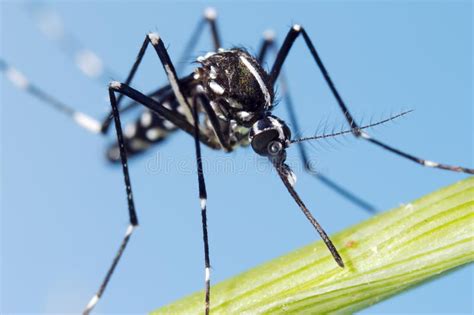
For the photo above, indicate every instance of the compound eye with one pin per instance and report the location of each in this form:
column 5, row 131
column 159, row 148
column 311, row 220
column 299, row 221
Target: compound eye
column 274, row 148
column 261, row 141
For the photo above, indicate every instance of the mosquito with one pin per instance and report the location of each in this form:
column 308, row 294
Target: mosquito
column 226, row 103
column 149, row 129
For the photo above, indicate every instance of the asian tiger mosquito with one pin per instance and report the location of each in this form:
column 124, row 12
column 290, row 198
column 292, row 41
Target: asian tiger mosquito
column 222, row 105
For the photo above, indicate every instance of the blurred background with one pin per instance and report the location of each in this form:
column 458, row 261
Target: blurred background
column 63, row 206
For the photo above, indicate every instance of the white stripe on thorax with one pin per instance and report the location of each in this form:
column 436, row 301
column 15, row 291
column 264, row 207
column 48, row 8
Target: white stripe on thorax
column 259, row 79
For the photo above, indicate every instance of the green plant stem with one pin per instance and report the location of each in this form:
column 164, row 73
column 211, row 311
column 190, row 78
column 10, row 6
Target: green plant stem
column 384, row 255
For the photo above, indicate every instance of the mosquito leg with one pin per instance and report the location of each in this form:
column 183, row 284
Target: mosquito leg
column 50, row 23
column 210, row 16
column 88, row 61
column 131, row 74
column 269, row 44
column 175, row 84
column 160, row 49
column 211, row 114
column 175, row 118
column 294, row 32
column 265, row 45
column 21, row 81
column 203, row 199
column 133, row 219
column 170, row 71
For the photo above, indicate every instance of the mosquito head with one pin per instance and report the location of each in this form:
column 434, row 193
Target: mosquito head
column 270, row 137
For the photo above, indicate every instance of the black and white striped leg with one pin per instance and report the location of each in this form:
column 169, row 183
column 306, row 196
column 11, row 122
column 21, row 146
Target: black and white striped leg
column 172, row 77
column 211, row 114
column 133, row 219
column 154, row 39
column 21, row 82
column 209, row 17
column 210, row 14
column 269, row 44
column 87, row 61
column 203, row 200
column 294, row 32
column 415, row 159
column 158, row 95
column 175, row 118
column 108, row 120
column 169, row 68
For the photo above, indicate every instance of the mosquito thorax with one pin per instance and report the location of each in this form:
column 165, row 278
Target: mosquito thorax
column 237, row 86
column 270, row 136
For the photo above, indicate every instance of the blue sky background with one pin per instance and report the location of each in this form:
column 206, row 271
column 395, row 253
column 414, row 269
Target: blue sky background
column 64, row 208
